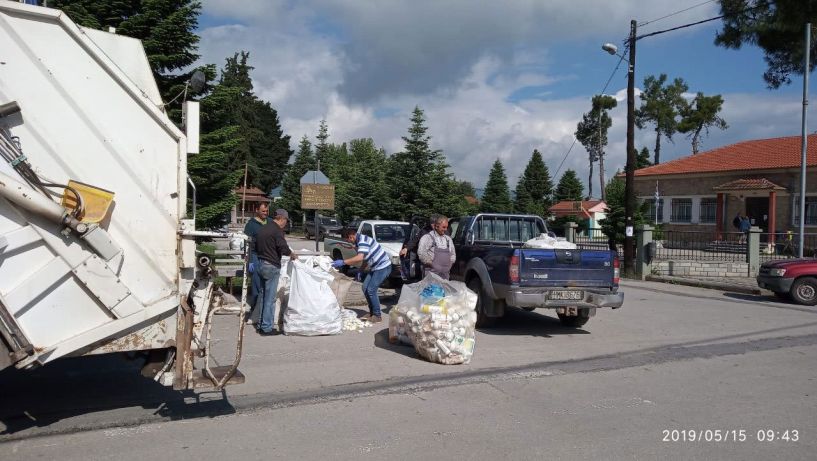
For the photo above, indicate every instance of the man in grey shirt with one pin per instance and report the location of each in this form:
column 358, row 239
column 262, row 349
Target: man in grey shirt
column 436, row 249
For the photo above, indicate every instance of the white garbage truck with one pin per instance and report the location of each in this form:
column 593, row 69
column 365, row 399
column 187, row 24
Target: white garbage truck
column 97, row 253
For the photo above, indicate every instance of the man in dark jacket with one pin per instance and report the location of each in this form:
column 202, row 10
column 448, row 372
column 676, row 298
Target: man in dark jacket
column 270, row 245
column 260, row 219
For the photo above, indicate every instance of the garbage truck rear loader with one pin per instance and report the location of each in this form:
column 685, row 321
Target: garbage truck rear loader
column 97, row 254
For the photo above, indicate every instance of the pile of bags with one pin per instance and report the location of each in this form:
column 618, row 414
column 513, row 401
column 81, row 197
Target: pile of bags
column 549, row 243
column 437, row 317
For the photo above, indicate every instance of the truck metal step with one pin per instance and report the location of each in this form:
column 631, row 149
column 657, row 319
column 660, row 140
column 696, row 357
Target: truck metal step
column 200, row 380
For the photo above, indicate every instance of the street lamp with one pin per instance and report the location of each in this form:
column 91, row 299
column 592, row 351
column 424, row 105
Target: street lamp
column 629, row 190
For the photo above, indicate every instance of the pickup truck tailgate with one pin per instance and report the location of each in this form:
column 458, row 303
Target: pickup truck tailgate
column 565, row 268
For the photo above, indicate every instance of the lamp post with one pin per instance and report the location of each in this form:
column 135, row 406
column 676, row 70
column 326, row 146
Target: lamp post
column 629, row 189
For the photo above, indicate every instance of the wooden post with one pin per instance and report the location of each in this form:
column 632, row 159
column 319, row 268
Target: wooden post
column 244, row 194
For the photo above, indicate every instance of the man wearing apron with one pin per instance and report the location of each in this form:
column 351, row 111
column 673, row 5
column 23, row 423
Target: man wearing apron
column 436, row 249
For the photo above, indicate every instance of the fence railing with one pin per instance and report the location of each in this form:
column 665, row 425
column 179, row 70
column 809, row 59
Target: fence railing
column 595, row 239
column 783, row 245
column 700, row 246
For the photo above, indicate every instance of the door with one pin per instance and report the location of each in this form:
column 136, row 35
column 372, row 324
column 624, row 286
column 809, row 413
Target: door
column 757, row 209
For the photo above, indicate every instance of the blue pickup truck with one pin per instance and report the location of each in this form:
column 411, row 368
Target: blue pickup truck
column 492, row 261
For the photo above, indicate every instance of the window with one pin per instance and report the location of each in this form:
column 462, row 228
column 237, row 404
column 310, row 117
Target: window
column 709, row 207
column 660, row 211
column 505, row 229
column 391, row 232
column 811, row 211
column 681, row 210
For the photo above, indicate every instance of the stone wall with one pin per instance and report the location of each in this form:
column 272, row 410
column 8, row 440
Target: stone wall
column 700, row 269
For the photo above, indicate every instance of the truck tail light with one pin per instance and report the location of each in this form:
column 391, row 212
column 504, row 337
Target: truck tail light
column 513, row 269
column 616, row 269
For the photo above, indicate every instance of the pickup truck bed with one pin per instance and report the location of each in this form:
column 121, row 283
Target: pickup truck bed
column 491, row 259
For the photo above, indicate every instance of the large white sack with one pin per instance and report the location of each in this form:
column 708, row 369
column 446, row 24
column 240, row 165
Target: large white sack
column 312, row 308
column 547, row 242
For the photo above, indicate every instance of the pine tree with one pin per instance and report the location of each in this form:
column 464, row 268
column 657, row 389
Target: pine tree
column 362, row 185
column 699, row 116
column 643, row 159
column 166, row 29
column 497, row 196
column 535, row 188
column 569, row 187
column 592, row 133
column 776, row 26
column 661, row 105
column 418, row 173
column 291, row 189
column 321, row 147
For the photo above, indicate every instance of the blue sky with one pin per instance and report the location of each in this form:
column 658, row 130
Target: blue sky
column 496, row 79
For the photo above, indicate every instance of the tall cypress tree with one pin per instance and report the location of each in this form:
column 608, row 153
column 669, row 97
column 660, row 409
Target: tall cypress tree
column 497, row 196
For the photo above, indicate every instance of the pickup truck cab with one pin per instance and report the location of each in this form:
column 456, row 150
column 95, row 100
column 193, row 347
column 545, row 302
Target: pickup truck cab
column 492, row 261
column 389, row 234
column 327, row 226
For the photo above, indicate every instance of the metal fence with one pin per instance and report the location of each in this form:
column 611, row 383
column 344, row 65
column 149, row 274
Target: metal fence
column 700, row 246
column 595, row 239
column 783, row 245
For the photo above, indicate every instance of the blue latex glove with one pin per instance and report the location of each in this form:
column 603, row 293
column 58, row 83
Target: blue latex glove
column 251, row 267
column 337, row 264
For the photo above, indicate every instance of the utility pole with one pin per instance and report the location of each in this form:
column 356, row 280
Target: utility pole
column 804, row 142
column 629, row 191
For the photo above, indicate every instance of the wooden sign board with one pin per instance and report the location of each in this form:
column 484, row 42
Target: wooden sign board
column 317, row 196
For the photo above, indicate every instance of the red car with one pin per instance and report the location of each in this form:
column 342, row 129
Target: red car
column 794, row 279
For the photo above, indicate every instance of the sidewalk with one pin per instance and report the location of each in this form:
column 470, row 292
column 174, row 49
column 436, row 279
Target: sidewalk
column 747, row 285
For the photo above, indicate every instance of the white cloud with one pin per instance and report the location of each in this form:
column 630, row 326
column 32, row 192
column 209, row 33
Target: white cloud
column 459, row 60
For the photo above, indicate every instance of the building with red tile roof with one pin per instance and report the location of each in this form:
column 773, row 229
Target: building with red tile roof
column 705, row 191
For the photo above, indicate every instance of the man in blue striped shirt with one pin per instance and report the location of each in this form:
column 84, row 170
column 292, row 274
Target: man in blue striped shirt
column 378, row 263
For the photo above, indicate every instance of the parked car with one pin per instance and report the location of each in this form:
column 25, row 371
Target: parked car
column 389, row 234
column 493, row 262
column 328, row 226
column 794, row 279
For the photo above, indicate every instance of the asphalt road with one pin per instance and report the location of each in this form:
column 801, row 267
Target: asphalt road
column 635, row 383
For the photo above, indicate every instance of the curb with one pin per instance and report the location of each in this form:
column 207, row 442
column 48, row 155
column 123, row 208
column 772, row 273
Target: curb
column 704, row 284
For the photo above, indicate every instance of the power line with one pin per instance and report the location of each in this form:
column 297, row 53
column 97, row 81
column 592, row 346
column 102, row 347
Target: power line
column 675, row 13
column 680, row 27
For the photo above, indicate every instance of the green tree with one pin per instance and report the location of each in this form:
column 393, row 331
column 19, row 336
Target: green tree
column 535, row 188
column 291, row 188
column 421, row 182
column 360, row 189
column 165, row 27
column 776, row 26
column 699, row 116
column 215, row 182
column 661, row 105
column 592, row 133
column 613, row 225
column 497, row 196
column 322, row 147
column 642, row 160
column 569, row 187
column 263, row 144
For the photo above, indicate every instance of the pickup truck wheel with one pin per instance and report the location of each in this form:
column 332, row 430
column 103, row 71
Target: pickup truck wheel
column 483, row 321
column 575, row 321
column 804, row 291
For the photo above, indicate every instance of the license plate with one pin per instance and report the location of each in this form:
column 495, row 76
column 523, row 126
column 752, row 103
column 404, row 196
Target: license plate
column 568, row 295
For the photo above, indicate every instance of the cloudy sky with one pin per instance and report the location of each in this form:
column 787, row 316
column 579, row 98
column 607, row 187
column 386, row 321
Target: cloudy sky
column 496, row 79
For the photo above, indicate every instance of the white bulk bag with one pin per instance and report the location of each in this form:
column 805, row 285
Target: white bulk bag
column 312, row 308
